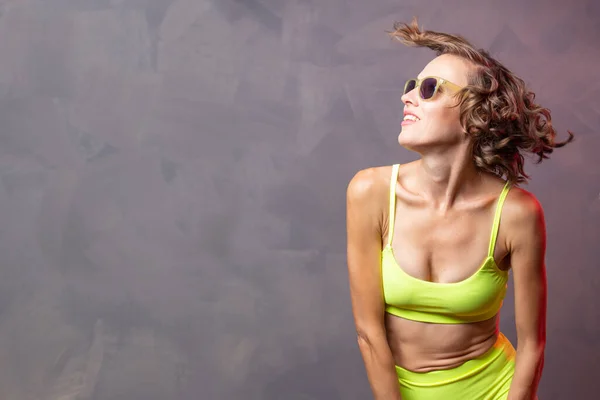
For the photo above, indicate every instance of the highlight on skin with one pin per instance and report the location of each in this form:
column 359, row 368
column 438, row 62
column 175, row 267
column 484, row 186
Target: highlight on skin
column 496, row 109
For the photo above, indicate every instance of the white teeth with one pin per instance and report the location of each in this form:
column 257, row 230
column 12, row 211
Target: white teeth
column 410, row 117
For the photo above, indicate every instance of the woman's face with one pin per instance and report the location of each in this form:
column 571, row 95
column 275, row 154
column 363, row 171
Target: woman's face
column 438, row 120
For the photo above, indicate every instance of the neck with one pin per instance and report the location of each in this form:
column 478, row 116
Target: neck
column 447, row 176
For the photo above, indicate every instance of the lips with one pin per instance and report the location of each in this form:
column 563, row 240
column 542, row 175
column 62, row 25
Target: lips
column 409, row 118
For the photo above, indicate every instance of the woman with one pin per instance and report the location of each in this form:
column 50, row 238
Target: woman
column 431, row 242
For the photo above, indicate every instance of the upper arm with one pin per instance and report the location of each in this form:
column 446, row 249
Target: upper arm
column 527, row 244
column 363, row 227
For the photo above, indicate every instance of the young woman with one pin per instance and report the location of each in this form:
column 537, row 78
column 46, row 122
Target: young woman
column 431, row 242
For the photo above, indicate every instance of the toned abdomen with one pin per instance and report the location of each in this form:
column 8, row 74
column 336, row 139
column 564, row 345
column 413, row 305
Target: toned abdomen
column 422, row 347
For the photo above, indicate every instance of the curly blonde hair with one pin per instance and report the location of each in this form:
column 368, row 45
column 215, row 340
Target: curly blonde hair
column 496, row 108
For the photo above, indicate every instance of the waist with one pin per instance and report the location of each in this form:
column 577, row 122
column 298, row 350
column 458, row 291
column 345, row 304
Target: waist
column 501, row 351
column 420, row 346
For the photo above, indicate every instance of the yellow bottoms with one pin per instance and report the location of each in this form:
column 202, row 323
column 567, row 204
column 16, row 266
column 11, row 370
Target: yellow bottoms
column 486, row 377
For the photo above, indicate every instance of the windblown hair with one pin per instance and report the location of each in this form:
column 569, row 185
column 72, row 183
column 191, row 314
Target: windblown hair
column 496, row 108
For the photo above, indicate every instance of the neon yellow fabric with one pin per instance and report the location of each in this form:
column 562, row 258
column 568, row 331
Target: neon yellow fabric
column 477, row 298
column 487, row 377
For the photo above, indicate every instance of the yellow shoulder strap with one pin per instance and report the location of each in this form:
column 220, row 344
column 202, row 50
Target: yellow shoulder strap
column 393, row 180
column 496, row 225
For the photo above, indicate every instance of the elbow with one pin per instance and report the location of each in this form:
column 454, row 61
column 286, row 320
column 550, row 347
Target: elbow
column 368, row 338
column 362, row 338
column 536, row 343
column 534, row 347
column 365, row 344
column 531, row 341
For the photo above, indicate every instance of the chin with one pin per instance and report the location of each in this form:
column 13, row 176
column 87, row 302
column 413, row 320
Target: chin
column 409, row 140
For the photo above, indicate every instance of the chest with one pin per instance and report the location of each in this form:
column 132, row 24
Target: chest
column 442, row 248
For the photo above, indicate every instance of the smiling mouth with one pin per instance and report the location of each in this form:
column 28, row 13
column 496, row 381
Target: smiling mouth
column 409, row 119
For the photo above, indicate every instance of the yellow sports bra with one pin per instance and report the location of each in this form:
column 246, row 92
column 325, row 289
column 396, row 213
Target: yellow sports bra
column 476, row 298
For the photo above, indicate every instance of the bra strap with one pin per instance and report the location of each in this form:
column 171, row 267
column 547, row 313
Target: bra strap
column 496, row 225
column 392, row 214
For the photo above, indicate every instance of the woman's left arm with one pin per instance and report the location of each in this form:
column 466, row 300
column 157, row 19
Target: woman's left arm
column 526, row 235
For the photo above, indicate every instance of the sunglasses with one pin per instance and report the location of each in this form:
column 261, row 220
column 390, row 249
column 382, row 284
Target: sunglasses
column 428, row 86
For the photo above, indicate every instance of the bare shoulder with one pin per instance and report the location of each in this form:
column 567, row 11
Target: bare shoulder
column 524, row 218
column 522, row 207
column 369, row 184
column 367, row 200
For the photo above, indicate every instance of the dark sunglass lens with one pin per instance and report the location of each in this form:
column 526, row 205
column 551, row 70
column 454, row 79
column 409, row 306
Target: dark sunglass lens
column 410, row 85
column 428, row 88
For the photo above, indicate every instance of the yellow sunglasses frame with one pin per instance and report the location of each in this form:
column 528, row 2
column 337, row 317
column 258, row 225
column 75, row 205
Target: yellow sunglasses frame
column 439, row 82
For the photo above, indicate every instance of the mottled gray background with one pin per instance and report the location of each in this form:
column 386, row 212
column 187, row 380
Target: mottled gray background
column 172, row 188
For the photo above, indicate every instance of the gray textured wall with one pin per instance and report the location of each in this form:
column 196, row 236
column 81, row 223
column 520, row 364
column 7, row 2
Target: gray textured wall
column 172, row 182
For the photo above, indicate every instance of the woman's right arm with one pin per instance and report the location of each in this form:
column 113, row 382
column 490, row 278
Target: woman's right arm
column 365, row 210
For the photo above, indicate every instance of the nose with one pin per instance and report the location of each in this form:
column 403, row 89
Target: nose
column 410, row 97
